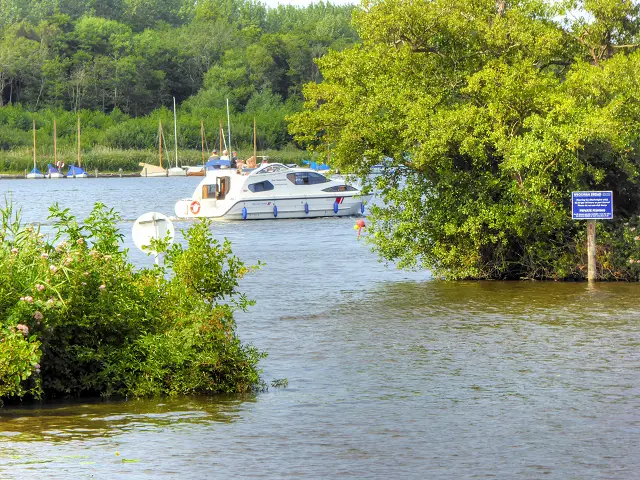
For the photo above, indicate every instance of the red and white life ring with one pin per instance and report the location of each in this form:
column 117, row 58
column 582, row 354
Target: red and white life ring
column 195, row 207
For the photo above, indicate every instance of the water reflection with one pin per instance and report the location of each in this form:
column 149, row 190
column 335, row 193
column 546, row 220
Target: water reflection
column 83, row 419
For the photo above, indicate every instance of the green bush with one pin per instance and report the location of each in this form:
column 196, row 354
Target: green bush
column 77, row 319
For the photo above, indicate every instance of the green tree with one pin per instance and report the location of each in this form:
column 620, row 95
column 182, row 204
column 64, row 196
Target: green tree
column 489, row 113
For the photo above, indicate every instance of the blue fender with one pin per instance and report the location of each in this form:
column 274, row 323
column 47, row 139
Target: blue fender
column 244, row 213
column 275, row 211
column 335, row 207
column 362, row 207
column 306, row 207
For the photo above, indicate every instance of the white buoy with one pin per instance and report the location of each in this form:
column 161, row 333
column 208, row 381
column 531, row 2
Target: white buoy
column 150, row 226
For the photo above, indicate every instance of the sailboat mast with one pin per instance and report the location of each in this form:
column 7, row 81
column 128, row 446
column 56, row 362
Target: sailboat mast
column 79, row 156
column 255, row 142
column 160, row 142
column 34, row 144
column 175, row 128
column 221, row 137
column 202, row 138
column 229, row 127
column 55, row 145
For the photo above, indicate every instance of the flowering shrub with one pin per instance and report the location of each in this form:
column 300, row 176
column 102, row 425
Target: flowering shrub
column 77, row 319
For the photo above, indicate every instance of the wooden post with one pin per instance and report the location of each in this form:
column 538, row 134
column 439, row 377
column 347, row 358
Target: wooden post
column 220, row 151
column 202, row 139
column 591, row 250
column 79, row 156
column 34, row 144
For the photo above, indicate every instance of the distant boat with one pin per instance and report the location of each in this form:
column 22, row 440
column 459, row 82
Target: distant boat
column 176, row 171
column 197, row 171
column 35, row 173
column 76, row 172
column 149, row 170
column 53, row 172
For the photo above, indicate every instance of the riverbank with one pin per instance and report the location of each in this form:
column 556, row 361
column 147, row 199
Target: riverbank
column 110, row 162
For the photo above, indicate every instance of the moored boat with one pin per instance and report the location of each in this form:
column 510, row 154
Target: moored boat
column 76, row 172
column 35, row 173
column 271, row 191
column 53, row 172
column 149, row 170
column 195, row 171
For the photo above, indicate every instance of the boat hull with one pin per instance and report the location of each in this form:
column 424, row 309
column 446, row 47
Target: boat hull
column 176, row 172
column 35, row 175
column 273, row 208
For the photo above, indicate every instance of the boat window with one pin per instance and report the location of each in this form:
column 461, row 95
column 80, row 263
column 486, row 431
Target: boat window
column 340, row 188
column 306, row 178
column 261, row 186
column 223, row 187
column 209, row 191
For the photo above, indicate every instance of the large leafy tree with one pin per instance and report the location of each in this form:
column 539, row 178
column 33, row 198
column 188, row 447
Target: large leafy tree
column 489, row 113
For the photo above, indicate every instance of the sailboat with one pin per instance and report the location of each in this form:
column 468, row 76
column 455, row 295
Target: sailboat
column 53, row 170
column 176, row 171
column 149, row 170
column 198, row 170
column 77, row 172
column 35, row 173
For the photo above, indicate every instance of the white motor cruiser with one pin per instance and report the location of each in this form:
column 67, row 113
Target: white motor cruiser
column 271, row 191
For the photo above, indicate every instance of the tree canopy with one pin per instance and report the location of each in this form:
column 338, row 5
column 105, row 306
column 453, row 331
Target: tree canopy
column 489, row 113
column 133, row 56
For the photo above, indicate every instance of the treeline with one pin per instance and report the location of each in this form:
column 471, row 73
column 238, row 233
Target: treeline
column 118, row 63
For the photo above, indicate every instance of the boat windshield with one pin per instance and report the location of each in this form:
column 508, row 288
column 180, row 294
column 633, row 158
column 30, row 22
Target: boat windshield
column 306, row 178
column 271, row 168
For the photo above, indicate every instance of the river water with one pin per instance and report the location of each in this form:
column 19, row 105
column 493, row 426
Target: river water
column 391, row 374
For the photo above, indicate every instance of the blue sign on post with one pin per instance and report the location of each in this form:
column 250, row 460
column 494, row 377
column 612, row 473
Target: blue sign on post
column 592, row 205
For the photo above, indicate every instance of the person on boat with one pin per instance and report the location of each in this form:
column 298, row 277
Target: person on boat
column 214, row 155
column 225, row 155
column 251, row 162
column 234, row 159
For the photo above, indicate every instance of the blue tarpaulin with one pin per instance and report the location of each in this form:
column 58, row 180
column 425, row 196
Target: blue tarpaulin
column 315, row 166
column 218, row 163
column 75, row 171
